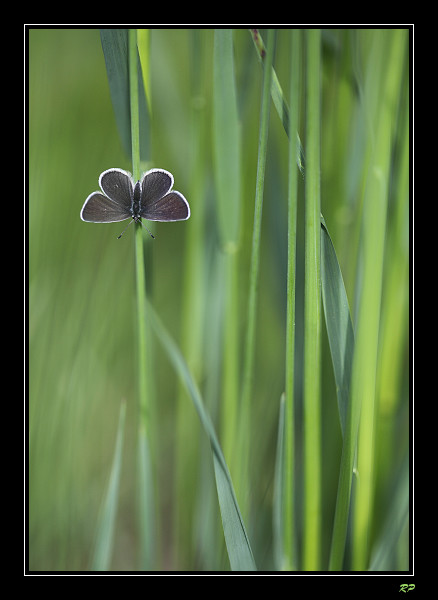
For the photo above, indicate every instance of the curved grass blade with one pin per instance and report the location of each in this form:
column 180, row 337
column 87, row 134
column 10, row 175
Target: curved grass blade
column 341, row 340
column 236, row 538
column 105, row 528
column 338, row 321
column 115, row 50
column 278, row 96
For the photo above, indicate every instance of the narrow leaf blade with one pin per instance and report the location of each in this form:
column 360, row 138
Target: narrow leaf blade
column 338, row 321
column 115, row 50
column 236, row 539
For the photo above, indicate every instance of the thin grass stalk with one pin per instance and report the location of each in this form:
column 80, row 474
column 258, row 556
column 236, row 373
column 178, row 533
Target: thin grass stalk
column 395, row 297
column 312, row 311
column 146, row 531
column 139, row 263
column 344, row 486
column 187, row 448
column 231, row 362
column 278, row 98
column 227, row 163
column 279, row 496
column 254, row 269
column 144, row 47
column 288, row 504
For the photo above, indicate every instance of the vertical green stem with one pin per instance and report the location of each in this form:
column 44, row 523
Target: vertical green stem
column 288, row 505
column 133, row 93
column 139, row 263
column 255, row 257
column 227, row 165
column 193, row 307
column 312, row 311
column 231, row 360
column 145, row 474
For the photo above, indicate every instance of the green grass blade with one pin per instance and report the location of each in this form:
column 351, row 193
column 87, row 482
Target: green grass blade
column 255, row 260
column 278, row 97
column 236, row 538
column 144, row 43
column 396, row 521
column 193, row 302
column 148, row 555
column 338, row 321
column 288, row 504
column 227, row 164
column 146, row 515
column 105, row 528
column 280, row 481
column 115, row 50
column 226, row 140
column 341, row 341
column 382, row 83
column 312, row 310
column 134, row 105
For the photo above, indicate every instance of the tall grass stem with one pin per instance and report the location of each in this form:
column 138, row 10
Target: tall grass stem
column 254, row 266
column 312, row 310
column 288, row 496
column 144, row 467
column 227, row 166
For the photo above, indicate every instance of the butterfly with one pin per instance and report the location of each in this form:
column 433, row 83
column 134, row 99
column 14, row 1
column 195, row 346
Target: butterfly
column 150, row 198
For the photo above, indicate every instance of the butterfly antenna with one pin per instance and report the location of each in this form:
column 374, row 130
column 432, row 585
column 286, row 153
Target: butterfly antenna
column 132, row 220
column 141, row 222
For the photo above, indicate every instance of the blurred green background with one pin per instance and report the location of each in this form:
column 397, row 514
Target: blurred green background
column 82, row 317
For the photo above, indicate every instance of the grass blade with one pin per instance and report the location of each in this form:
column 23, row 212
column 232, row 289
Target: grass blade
column 380, row 95
column 115, row 50
column 144, row 371
column 255, row 259
column 396, row 521
column 312, row 310
column 144, row 43
column 227, row 164
column 341, row 341
column 236, row 538
column 288, row 504
column 146, row 510
column 105, row 528
column 278, row 97
column 338, row 321
column 226, row 140
column 280, row 481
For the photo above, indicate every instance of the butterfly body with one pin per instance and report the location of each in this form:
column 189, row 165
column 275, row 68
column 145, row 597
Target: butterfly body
column 136, row 202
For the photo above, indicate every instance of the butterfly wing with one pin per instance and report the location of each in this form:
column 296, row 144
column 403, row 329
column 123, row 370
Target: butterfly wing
column 118, row 186
column 171, row 207
column 101, row 209
column 158, row 203
column 116, row 202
